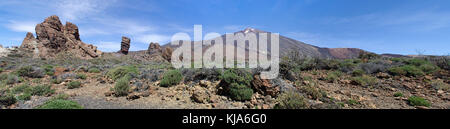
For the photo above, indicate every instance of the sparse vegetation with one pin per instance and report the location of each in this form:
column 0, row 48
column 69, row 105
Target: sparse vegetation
column 398, row 94
column 170, row 78
column 60, row 104
column 7, row 99
column 42, row 90
column 21, row 88
column 440, row 85
column 120, row 72
column 291, row 100
column 81, row 76
column 29, row 71
column 121, row 88
column 418, row 101
column 74, row 84
column 364, row 80
column 94, row 70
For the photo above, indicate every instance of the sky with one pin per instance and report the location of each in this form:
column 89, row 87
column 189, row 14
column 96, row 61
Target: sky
column 380, row 26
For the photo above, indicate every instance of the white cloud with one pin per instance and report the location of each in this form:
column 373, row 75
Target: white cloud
column 162, row 39
column 22, row 26
column 108, row 46
column 77, row 9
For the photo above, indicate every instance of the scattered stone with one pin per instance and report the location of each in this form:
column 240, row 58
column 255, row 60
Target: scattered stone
column 133, row 96
column 200, row 97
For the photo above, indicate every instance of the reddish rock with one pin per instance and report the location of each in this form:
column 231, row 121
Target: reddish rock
column 154, row 48
column 125, row 45
column 52, row 38
column 167, row 53
column 264, row 86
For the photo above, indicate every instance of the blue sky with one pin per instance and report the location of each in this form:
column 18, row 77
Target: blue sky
column 381, row 26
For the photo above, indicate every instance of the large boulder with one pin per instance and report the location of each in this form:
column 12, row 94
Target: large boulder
column 154, row 48
column 125, row 45
column 53, row 38
column 167, row 53
column 265, row 87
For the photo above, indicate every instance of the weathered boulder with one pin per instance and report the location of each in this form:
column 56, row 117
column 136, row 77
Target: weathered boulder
column 125, row 45
column 265, row 87
column 167, row 53
column 53, row 38
column 154, row 48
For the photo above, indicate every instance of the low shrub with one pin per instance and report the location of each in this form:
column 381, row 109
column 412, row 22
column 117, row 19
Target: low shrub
column 358, row 72
column 398, row 94
column 428, row 68
column 418, row 101
column 170, row 78
column 291, row 100
column 121, row 88
column 81, row 76
column 364, row 80
column 333, row 76
column 120, row 72
column 94, row 70
column 12, row 79
column 240, row 92
column 48, row 69
column 312, row 91
column 407, row 70
column 29, row 71
column 25, row 96
column 440, row 85
column 60, row 104
column 21, row 88
column 1, row 70
column 56, row 80
column 236, row 84
column 74, row 85
column 7, row 99
column 42, row 90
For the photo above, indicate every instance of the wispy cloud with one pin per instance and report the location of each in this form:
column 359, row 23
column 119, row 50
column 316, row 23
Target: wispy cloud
column 78, row 9
column 21, row 26
column 108, row 46
column 153, row 38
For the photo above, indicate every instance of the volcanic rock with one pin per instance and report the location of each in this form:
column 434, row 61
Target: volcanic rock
column 54, row 38
column 154, row 48
column 125, row 45
column 265, row 87
column 167, row 53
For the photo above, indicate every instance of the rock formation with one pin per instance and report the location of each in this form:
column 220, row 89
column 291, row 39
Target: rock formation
column 167, row 53
column 53, row 38
column 154, row 48
column 125, row 45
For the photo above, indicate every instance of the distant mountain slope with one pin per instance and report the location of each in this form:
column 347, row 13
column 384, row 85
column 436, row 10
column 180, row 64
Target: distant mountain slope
column 304, row 50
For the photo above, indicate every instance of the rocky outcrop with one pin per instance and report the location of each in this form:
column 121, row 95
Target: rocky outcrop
column 125, row 45
column 53, row 38
column 265, row 87
column 167, row 53
column 154, row 48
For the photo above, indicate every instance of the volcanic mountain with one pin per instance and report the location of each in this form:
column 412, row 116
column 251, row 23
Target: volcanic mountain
column 289, row 46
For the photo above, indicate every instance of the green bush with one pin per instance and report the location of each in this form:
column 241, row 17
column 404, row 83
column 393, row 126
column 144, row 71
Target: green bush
column 237, row 84
column 418, row 101
column 291, row 100
column 364, row 80
column 407, row 70
column 3, row 76
column 416, row 62
column 56, row 81
column 1, row 70
column 312, row 91
column 121, row 88
column 352, row 102
column 24, row 71
column 398, row 94
column 94, row 70
column 81, row 76
column 348, row 65
column 428, row 68
column 12, row 79
column 172, row 77
column 24, row 96
column 74, row 85
column 333, row 76
column 48, row 69
column 358, row 72
column 240, row 92
column 61, row 96
column 60, row 104
column 7, row 99
column 21, row 88
column 121, row 71
column 42, row 90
